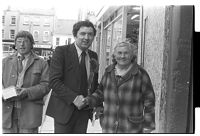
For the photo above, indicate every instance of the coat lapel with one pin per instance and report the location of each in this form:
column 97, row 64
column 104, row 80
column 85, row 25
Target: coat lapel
column 74, row 55
column 14, row 62
column 31, row 60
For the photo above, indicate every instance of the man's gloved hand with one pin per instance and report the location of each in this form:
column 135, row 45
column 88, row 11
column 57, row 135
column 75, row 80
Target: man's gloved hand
column 99, row 112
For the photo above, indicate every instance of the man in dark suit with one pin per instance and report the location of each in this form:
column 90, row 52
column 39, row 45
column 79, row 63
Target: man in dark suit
column 73, row 76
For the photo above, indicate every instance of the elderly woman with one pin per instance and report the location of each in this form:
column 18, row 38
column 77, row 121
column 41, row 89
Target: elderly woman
column 127, row 93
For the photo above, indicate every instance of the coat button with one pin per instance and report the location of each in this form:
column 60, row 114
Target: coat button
column 116, row 123
column 13, row 76
column 8, row 107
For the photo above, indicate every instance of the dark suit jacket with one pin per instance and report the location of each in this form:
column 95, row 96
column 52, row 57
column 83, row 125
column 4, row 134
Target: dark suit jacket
column 65, row 82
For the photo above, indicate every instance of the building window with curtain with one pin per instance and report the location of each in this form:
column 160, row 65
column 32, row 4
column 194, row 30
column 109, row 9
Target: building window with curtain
column 57, row 41
column 2, row 33
column 46, row 22
column 26, row 20
column 36, row 35
column 12, row 34
column 46, row 36
column 13, row 20
column 69, row 40
column 36, row 21
column 3, row 20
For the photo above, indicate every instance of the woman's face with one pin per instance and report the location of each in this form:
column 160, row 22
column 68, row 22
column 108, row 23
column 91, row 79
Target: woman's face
column 123, row 56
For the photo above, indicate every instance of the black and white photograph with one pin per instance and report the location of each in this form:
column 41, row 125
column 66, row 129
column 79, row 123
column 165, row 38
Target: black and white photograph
column 97, row 67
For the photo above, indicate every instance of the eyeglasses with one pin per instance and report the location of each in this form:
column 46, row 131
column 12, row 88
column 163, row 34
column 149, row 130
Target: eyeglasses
column 22, row 41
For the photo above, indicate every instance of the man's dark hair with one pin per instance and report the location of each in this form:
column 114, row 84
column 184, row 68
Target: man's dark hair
column 80, row 24
column 25, row 34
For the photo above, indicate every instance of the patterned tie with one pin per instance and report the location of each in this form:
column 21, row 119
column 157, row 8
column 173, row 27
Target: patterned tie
column 20, row 65
column 83, row 74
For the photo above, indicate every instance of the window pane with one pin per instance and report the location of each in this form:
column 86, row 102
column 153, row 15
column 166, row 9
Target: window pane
column 117, row 33
column 12, row 34
column 108, row 43
column 36, row 21
column 13, row 20
column 69, row 40
column 46, row 22
column 133, row 19
column 2, row 33
column 57, row 41
column 26, row 20
column 36, row 35
column 46, row 36
column 3, row 20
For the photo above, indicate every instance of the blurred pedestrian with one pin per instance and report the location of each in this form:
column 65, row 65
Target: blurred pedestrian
column 127, row 93
column 29, row 74
column 73, row 76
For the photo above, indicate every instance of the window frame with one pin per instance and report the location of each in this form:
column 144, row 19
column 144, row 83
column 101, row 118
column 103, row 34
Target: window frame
column 36, row 38
column 57, row 40
column 26, row 20
column 12, row 36
column 13, row 20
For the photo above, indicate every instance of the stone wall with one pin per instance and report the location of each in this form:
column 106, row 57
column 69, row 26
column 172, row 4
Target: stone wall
column 154, row 24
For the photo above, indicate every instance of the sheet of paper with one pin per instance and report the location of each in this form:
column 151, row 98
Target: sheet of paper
column 9, row 92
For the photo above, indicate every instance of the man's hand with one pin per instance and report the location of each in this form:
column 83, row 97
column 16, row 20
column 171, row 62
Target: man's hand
column 99, row 112
column 22, row 93
column 79, row 102
column 12, row 99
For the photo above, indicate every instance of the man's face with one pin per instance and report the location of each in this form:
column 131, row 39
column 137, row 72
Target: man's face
column 123, row 56
column 85, row 37
column 23, row 45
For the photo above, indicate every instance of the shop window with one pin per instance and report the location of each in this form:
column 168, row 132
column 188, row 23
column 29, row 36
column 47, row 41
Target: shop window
column 114, row 35
column 117, row 33
column 132, row 27
column 108, row 43
column 133, row 21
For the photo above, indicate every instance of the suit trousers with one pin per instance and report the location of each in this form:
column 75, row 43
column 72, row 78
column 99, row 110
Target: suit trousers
column 15, row 125
column 76, row 125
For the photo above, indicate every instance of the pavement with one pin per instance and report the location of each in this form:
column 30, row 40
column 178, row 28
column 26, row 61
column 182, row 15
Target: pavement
column 48, row 126
column 48, row 122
